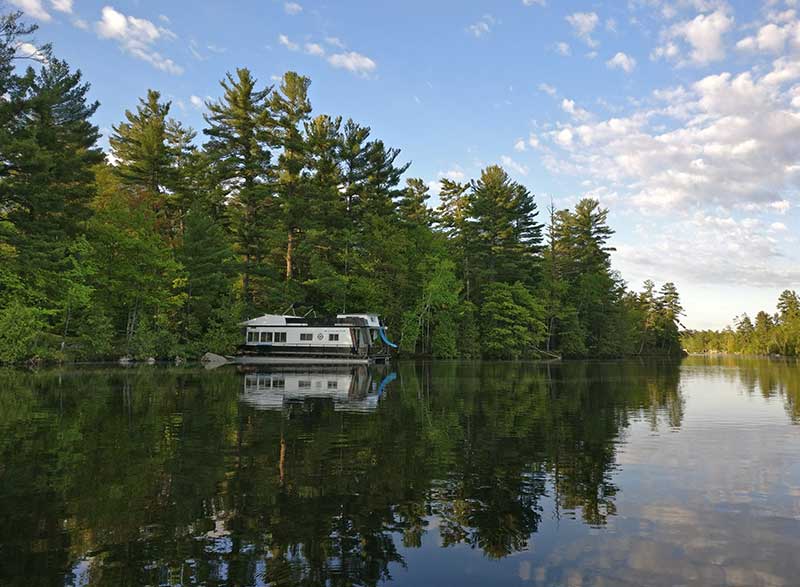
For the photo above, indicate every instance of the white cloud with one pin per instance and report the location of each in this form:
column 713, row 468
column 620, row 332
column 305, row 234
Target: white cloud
column 483, row 26
column 284, row 40
column 335, row 42
column 292, row 8
column 576, row 112
column 773, row 36
column 350, row 60
column 29, row 51
column 547, row 89
column 62, row 5
column 80, row 24
column 727, row 141
column 314, row 49
column 455, row 174
column 33, row 8
column 532, row 2
column 563, row 48
column 353, row 62
column 703, row 34
column 583, row 23
column 520, row 145
column 136, row 36
column 622, row 61
column 712, row 248
column 513, row 165
column 197, row 102
column 564, row 137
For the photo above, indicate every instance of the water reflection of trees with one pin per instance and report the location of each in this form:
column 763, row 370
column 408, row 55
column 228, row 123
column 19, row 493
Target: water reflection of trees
column 163, row 476
column 768, row 377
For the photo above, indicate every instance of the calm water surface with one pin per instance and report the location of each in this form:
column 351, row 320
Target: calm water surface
column 575, row 474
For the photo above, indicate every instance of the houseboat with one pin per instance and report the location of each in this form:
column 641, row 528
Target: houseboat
column 351, row 388
column 345, row 338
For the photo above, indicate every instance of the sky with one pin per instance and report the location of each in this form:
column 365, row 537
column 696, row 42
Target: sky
column 680, row 116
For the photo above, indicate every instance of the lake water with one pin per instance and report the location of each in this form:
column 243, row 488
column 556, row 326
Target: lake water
column 573, row 474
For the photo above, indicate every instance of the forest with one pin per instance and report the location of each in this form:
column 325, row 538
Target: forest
column 161, row 245
column 768, row 334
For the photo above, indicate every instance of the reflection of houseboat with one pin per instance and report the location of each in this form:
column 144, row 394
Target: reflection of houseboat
column 346, row 338
column 353, row 388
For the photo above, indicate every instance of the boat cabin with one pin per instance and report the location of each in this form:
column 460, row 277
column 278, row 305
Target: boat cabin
column 360, row 336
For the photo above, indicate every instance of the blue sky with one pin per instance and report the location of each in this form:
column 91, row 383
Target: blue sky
column 681, row 116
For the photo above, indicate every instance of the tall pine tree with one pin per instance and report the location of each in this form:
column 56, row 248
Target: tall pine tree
column 239, row 138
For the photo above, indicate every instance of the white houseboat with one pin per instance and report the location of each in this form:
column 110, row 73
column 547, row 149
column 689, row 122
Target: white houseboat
column 346, row 338
column 351, row 388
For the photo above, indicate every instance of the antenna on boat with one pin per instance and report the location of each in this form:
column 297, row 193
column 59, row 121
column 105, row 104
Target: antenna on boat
column 311, row 311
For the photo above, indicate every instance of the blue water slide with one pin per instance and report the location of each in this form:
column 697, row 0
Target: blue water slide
column 385, row 340
column 386, row 381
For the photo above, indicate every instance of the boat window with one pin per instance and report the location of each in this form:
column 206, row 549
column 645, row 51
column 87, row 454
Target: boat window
column 278, row 383
column 252, row 336
column 333, row 384
column 280, row 337
column 303, row 384
column 266, row 337
column 333, row 337
column 306, row 336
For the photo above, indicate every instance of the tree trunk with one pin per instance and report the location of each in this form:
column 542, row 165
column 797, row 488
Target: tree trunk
column 289, row 253
column 246, row 281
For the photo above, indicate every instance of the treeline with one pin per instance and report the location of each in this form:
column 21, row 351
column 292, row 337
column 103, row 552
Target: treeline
column 160, row 246
column 768, row 334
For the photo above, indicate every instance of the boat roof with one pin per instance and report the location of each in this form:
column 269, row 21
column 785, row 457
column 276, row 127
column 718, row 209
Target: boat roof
column 369, row 320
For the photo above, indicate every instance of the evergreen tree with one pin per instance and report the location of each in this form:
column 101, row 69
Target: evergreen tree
column 149, row 149
column 239, row 146
column 412, row 205
column 208, row 265
column 46, row 181
column 788, row 305
column 290, row 108
column 511, row 319
column 139, row 146
column 505, row 238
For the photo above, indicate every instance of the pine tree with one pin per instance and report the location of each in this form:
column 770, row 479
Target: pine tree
column 290, row 109
column 239, row 146
column 139, row 146
column 788, row 305
column 208, row 265
column 412, row 205
column 504, row 237
column 47, row 181
column 148, row 150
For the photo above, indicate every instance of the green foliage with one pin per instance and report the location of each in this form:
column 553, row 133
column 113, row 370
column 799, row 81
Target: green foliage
column 503, row 239
column 511, row 320
column 21, row 329
column 223, row 334
column 770, row 334
column 95, row 336
column 238, row 148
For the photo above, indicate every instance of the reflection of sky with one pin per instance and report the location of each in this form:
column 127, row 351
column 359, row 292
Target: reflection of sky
column 714, row 502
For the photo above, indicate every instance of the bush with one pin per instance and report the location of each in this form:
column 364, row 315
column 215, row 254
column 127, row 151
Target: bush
column 21, row 329
column 95, row 337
